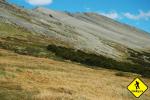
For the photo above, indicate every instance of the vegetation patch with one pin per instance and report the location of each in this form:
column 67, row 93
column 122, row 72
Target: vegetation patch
column 7, row 74
column 6, row 94
column 19, row 70
column 141, row 58
column 126, row 74
column 24, row 47
column 2, row 73
column 98, row 60
column 10, row 30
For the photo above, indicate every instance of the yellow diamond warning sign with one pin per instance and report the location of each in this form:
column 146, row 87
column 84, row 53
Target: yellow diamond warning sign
column 137, row 87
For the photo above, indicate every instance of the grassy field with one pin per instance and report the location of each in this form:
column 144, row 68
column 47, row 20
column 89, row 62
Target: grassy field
column 31, row 78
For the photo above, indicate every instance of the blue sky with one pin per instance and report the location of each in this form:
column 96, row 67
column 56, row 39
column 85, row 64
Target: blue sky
column 132, row 12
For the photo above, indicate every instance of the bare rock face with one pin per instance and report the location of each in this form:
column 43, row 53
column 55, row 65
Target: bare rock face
column 95, row 33
column 2, row 0
column 89, row 32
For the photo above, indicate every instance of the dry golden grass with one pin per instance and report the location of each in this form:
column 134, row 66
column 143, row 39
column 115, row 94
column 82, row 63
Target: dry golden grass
column 26, row 78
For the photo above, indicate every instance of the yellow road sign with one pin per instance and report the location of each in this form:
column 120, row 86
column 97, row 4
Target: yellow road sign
column 137, row 87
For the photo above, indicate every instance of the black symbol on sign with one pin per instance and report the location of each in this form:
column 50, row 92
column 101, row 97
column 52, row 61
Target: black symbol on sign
column 137, row 85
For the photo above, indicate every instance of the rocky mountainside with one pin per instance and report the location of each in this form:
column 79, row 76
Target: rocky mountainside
column 53, row 55
column 89, row 32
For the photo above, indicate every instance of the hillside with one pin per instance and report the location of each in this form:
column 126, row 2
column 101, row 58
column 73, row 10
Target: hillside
column 89, row 32
column 29, row 32
column 53, row 55
column 27, row 78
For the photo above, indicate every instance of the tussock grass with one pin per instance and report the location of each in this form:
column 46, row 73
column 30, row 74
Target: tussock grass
column 47, row 79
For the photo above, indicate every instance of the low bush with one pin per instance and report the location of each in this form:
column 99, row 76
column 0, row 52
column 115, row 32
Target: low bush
column 25, row 48
column 97, row 60
column 141, row 58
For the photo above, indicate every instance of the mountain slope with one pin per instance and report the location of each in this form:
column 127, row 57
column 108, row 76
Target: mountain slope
column 103, row 27
column 25, row 31
column 46, row 54
column 86, row 31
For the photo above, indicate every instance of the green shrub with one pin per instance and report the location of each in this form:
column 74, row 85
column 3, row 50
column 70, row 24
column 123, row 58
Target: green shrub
column 141, row 58
column 97, row 60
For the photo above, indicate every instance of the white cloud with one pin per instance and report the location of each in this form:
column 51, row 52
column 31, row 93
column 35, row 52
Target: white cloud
column 141, row 15
column 39, row 2
column 112, row 15
column 87, row 9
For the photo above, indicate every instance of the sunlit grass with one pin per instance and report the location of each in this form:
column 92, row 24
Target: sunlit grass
column 31, row 78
